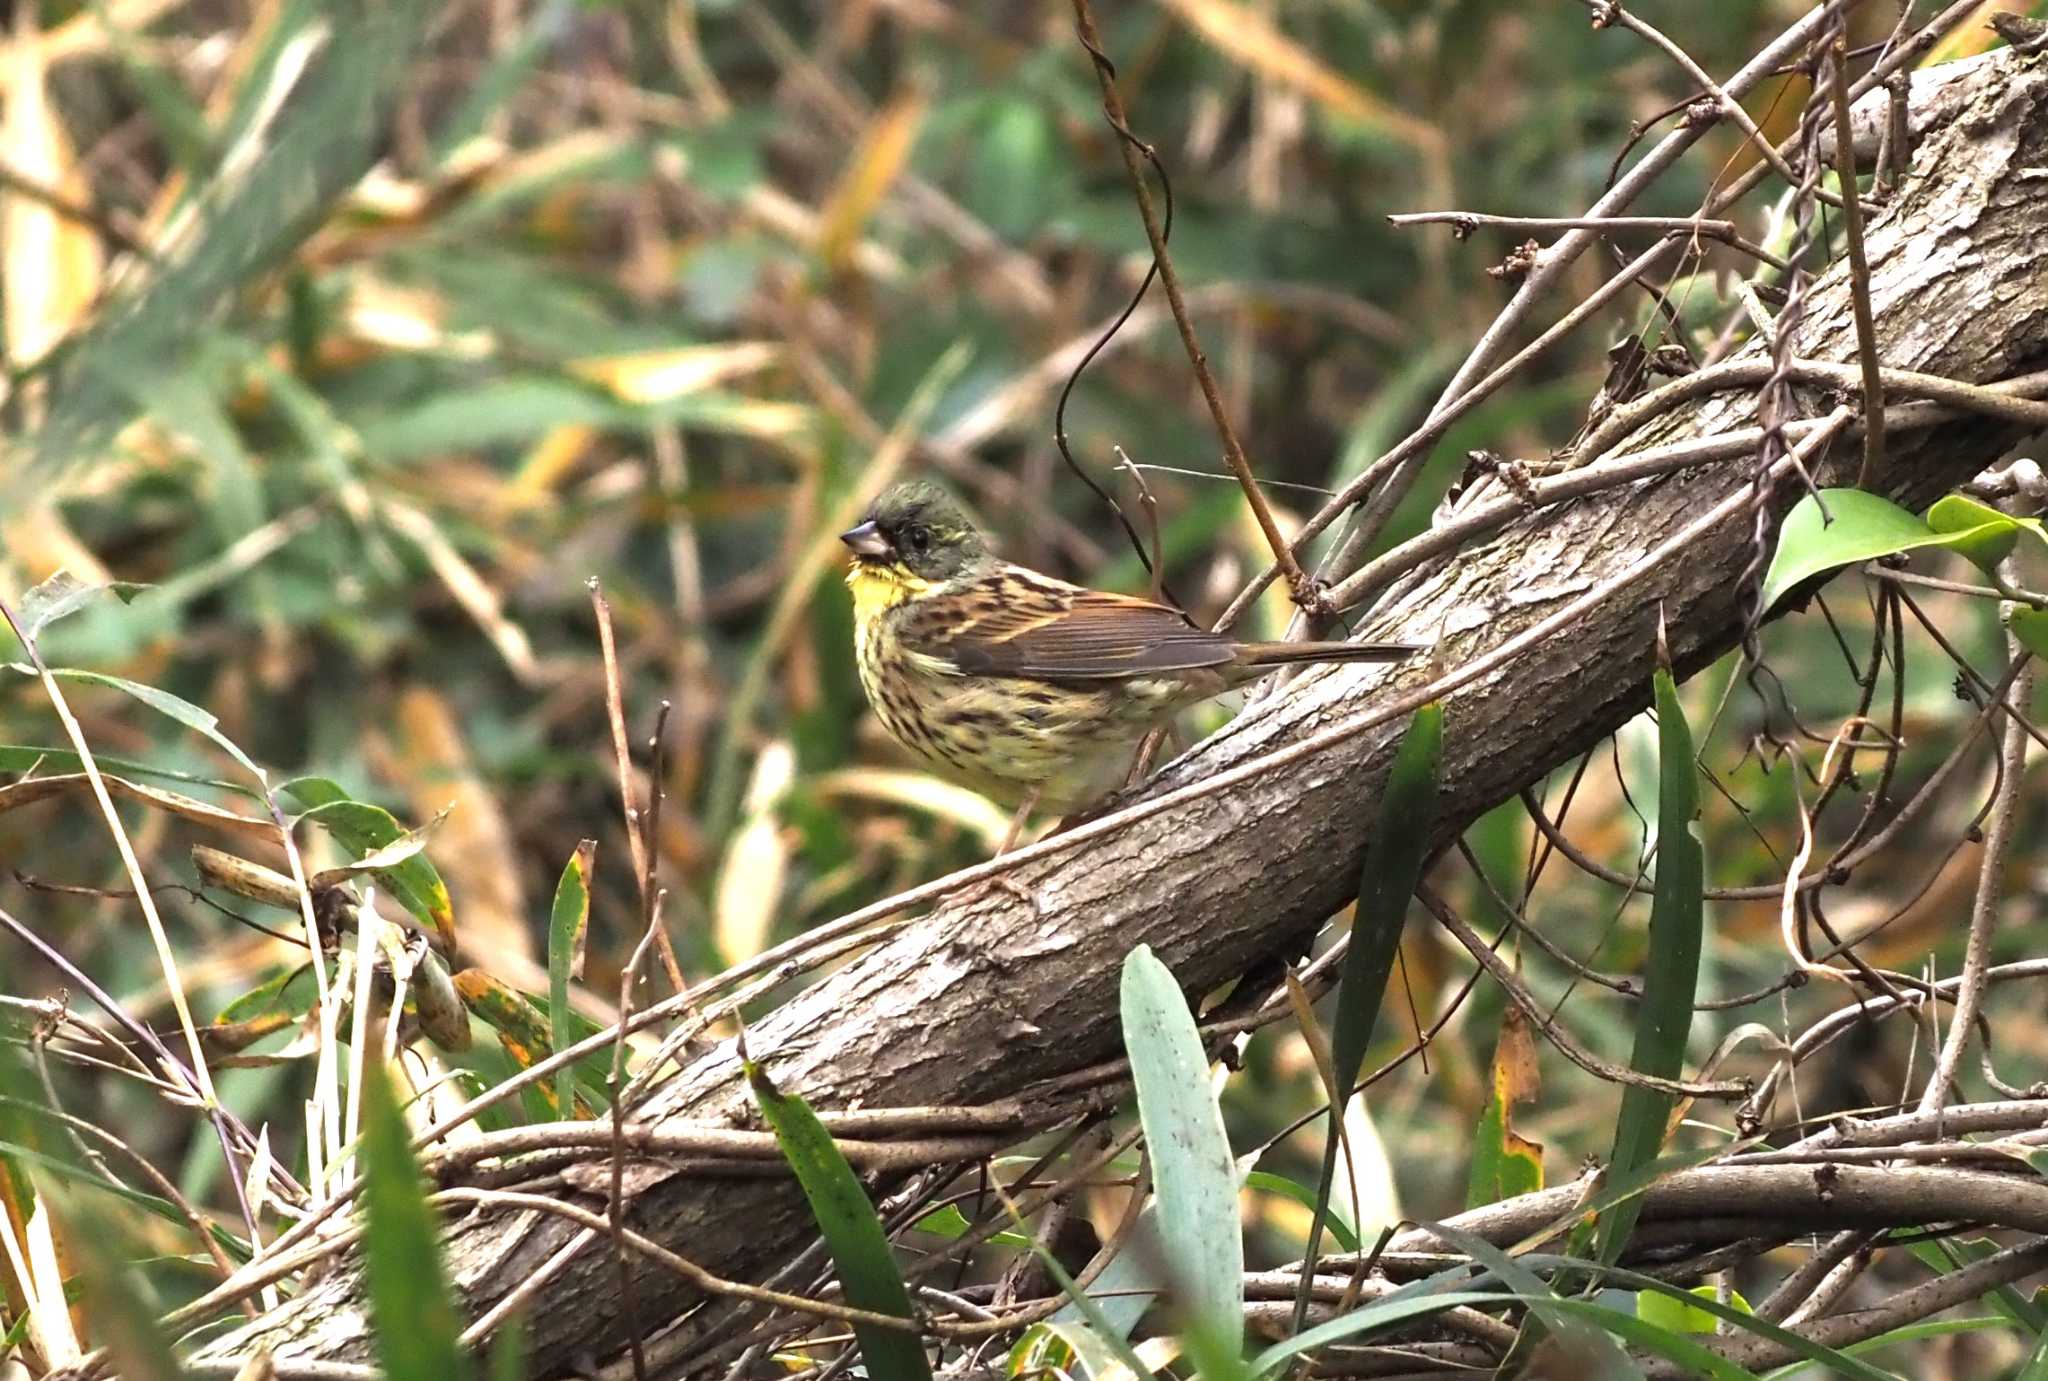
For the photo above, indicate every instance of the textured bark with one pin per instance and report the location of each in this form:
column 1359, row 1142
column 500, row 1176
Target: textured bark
column 977, row 1001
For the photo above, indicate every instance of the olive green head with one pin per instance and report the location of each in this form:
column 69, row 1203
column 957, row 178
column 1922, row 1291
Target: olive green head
column 920, row 527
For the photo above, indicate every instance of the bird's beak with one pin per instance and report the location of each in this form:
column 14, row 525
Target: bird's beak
column 867, row 542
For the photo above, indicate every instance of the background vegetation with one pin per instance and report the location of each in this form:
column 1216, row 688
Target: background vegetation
column 362, row 337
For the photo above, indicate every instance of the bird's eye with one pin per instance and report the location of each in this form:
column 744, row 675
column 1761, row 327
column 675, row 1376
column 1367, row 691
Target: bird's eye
column 920, row 537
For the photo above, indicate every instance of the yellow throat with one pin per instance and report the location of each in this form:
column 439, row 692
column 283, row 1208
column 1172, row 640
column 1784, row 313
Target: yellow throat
column 878, row 588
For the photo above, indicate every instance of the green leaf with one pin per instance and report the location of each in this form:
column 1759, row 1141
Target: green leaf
column 1864, row 527
column 568, row 923
column 363, row 829
column 1429, row 1296
column 868, row 1275
column 1126, row 1289
column 411, row 1305
column 1664, row 1015
column 1743, row 1320
column 1061, row 1349
column 26, row 758
column 1394, row 858
column 1683, row 1316
column 1346, row 1238
column 64, row 593
column 1952, row 1253
column 168, row 705
column 1594, row 1356
column 1977, row 530
column 2030, row 626
column 2036, row 1368
column 1193, row 1171
column 1382, row 1313
column 309, row 117
column 1100, row 1327
column 949, row 1222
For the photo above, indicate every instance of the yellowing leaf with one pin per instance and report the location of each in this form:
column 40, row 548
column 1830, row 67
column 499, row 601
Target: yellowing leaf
column 547, row 464
column 750, row 876
column 1504, row 1162
column 1248, row 37
column 53, row 261
column 655, row 376
column 883, row 151
column 968, row 809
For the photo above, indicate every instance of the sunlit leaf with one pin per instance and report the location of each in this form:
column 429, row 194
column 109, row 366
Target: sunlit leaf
column 1193, row 1171
column 1683, row 1316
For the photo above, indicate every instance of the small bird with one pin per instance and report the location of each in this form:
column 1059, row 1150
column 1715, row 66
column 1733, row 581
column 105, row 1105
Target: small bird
column 1030, row 690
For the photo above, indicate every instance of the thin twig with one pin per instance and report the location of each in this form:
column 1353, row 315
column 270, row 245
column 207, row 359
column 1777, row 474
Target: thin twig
column 1990, row 878
column 1859, row 265
column 1608, row 12
column 615, row 1201
column 1463, row 223
column 641, row 846
column 1134, row 150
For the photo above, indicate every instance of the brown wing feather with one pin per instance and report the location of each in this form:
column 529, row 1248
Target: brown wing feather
column 1015, row 622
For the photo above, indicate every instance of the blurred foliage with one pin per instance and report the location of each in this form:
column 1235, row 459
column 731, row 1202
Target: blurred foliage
column 447, row 310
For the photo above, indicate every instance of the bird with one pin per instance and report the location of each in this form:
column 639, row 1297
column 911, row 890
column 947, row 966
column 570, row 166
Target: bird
column 1030, row 690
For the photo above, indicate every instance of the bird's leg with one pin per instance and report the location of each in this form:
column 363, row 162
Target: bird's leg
column 1003, row 880
column 1141, row 761
column 1016, row 830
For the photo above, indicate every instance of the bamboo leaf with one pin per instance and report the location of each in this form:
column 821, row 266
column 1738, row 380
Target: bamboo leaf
column 364, row 829
column 868, row 1274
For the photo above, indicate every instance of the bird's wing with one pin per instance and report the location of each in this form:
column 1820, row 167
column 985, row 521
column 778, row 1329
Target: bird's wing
column 1015, row 622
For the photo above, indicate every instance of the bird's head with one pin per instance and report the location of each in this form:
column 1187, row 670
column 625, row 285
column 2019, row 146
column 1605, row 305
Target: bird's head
column 917, row 534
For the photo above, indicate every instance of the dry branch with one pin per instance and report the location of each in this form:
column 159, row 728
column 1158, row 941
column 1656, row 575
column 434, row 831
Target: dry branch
column 978, row 1001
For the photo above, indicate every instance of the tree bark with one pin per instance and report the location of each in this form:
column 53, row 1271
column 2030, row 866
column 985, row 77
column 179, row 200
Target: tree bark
column 980, row 999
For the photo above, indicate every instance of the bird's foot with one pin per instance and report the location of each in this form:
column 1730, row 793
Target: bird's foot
column 975, row 892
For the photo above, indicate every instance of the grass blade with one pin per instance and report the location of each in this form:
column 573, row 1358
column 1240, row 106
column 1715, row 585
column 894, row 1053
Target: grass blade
column 1672, row 972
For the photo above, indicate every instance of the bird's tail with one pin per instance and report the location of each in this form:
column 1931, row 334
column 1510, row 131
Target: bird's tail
column 1284, row 654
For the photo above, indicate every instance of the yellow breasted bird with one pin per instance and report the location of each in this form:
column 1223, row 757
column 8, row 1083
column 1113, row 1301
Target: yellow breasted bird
column 1023, row 687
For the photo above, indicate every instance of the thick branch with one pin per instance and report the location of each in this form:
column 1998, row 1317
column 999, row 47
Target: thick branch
column 980, row 1000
